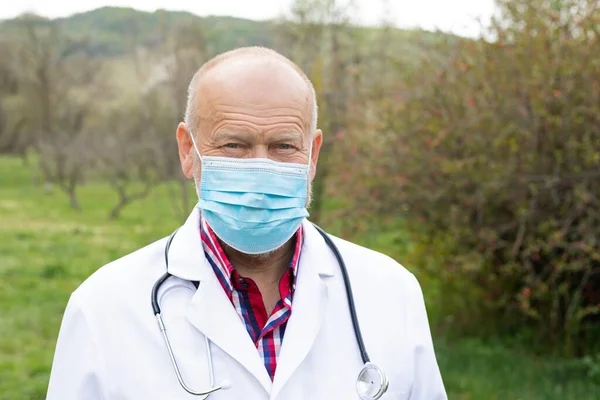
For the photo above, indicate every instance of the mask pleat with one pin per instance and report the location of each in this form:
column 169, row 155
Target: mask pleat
column 253, row 200
column 249, row 215
column 252, row 241
column 253, row 182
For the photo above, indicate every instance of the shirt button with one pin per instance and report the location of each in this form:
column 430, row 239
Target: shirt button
column 243, row 283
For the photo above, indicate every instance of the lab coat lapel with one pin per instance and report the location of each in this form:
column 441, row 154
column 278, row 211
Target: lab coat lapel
column 212, row 313
column 210, row 310
column 186, row 254
column 309, row 306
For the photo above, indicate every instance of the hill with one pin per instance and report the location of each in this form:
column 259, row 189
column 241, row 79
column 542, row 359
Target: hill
column 113, row 31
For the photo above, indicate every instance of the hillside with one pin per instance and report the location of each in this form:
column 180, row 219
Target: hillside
column 114, row 31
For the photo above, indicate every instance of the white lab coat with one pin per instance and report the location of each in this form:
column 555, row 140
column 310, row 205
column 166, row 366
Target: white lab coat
column 110, row 347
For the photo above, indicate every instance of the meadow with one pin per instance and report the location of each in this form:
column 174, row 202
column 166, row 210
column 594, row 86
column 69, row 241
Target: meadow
column 47, row 249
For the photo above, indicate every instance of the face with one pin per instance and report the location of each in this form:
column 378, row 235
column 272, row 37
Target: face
column 251, row 108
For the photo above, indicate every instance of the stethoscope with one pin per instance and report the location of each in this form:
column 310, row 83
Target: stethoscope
column 371, row 383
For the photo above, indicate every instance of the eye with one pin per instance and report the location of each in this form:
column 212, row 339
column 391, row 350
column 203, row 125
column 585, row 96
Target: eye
column 284, row 146
column 232, row 145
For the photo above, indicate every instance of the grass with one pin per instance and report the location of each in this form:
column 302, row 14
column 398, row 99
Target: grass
column 47, row 250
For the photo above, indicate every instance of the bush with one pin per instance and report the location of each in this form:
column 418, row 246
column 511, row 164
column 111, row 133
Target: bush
column 495, row 155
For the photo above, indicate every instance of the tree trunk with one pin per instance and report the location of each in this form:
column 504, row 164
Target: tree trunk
column 46, row 175
column 75, row 205
column 125, row 199
column 116, row 211
column 336, row 106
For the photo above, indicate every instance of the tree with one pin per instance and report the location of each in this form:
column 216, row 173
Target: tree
column 163, row 100
column 127, row 155
column 9, row 137
column 59, row 92
column 321, row 41
column 186, row 51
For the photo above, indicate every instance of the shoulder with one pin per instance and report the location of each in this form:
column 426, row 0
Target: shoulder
column 126, row 276
column 362, row 261
column 380, row 278
column 387, row 295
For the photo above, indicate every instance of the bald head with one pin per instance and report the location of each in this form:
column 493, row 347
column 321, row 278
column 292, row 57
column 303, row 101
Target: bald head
column 243, row 67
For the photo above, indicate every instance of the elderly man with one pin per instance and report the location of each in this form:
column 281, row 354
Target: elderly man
column 255, row 304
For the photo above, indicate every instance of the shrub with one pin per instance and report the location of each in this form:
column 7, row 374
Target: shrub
column 495, row 155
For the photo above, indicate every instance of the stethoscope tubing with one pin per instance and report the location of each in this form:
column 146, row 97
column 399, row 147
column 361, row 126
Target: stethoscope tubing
column 361, row 345
column 162, row 279
column 351, row 306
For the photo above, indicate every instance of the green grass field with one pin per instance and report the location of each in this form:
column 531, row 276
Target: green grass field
column 47, row 249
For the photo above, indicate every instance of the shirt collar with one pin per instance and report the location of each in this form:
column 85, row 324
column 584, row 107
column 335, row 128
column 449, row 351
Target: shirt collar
column 222, row 266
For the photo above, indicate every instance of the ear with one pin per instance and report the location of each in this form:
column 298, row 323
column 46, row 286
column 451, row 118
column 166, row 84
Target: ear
column 317, row 141
column 185, row 148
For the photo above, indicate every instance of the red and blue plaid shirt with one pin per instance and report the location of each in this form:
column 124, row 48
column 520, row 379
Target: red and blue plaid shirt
column 265, row 331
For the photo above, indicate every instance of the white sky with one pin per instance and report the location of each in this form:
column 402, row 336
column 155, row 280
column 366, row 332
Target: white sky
column 457, row 16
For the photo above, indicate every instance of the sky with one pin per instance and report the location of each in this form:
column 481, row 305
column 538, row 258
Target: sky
column 458, row 16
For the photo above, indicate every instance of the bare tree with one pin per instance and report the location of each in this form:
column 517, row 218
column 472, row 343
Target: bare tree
column 126, row 155
column 163, row 101
column 10, row 122
column 59, row 90
column 320, row 39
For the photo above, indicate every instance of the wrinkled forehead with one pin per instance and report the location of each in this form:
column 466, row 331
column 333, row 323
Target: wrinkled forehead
column 253, row 85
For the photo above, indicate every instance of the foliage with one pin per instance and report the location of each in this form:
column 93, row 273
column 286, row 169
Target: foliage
column 57, row 95
column 346, row 65
column 494, row 158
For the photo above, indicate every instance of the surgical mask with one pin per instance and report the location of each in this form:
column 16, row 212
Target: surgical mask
column 253, row 205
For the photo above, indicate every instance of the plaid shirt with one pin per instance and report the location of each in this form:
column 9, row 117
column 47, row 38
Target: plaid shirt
column 266, row 331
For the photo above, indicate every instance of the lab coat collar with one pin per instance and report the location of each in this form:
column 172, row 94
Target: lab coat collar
column 314, row 245
column 188, row 261
column 310, row 302
column 186, row 255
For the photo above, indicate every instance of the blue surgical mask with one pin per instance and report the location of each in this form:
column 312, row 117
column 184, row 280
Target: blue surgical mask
column 253, row 205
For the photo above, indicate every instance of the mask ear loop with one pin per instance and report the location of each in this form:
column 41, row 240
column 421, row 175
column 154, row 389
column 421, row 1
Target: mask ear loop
column 194, row 144
column 199, row 156
column 309, row 168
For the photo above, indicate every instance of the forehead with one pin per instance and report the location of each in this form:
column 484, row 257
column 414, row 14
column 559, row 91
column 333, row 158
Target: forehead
column 253, row 85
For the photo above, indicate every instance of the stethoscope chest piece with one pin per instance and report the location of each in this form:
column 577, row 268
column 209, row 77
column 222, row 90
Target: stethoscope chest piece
column 371, row 383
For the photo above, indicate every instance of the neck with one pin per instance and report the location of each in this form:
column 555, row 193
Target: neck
column 268, row 267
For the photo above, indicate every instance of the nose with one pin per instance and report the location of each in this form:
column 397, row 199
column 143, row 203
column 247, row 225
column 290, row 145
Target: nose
column 260, row 151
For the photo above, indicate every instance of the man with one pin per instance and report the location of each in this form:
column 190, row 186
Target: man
column 255, row 294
